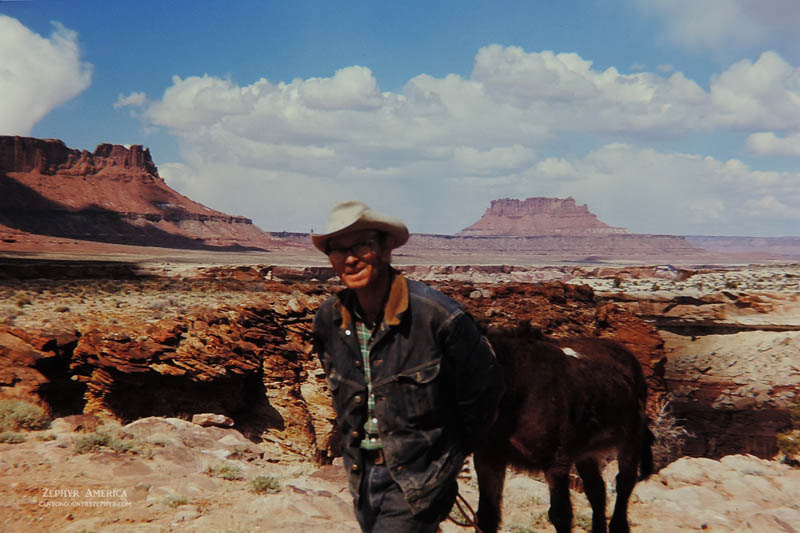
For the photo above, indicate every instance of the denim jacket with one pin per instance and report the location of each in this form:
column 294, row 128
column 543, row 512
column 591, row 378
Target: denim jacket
column 435, row 379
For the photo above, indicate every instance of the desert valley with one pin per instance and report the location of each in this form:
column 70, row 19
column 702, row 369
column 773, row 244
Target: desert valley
column 156, row 372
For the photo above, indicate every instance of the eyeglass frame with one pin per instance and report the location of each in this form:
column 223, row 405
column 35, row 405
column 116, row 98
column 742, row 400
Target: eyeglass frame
column 371, row 244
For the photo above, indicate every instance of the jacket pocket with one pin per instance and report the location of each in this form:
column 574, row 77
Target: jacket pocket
column 420, row 392
column 334, row 381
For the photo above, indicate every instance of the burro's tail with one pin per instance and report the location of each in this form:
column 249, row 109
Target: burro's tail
column 646, row 455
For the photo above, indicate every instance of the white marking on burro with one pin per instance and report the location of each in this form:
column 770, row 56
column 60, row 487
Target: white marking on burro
column 572, row 353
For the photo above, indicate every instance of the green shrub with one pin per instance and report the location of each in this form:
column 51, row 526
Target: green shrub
column 21, row 415
column 12, row 437
column 265, row 485
column 225, row 471
column 104, row 438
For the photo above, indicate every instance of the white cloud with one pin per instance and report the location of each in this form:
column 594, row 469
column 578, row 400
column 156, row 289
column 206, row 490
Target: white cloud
column 134, row 99
column 706, row 209
column 769, row 144
column 469, row 160
column 761, row 95
column 282, row 153
column 771, row 207
column 565, row 92
column 37, row 74
column 716, row 24
column 675, row 193
column 350, row 88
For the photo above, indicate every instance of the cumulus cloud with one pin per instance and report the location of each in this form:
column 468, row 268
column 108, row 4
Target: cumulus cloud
column 134, row 99
column 37, row 74
column 764, row 94
column 674, row 193
column 714, row 24
column 283, row 152
column 769, row 144
column 769, row 206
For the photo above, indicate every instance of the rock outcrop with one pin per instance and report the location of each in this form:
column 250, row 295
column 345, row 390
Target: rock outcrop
column 230, row 341
column 538, row 216
column 141, row 355
column 731, row 339
column 112, row 195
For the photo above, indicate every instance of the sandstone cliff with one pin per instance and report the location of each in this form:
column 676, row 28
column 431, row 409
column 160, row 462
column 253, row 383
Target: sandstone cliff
column 113, row 194
column 538, row 216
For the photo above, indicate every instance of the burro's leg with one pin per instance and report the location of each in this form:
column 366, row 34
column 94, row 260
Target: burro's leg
column 560, row 511
column 491, row 470
column 628, row 459
column 595, row 489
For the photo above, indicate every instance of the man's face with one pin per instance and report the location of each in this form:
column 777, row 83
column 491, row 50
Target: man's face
column 358, row 258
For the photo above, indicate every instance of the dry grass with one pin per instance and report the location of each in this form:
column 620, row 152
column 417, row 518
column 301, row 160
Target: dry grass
column 111, row 439
column 18, row 415
column 228, row 471
column 265, row 485
column 12, row 437
column 670, row 437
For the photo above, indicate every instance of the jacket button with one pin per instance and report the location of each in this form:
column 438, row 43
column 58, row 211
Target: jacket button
column 358, row 363
column 358, row 399
column 354, row 468
column 398, row 468
column 354, row 434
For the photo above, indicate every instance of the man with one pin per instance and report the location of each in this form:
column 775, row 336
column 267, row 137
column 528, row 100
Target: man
column 414, row 383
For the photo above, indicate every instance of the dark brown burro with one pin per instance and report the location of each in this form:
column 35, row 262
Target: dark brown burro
column 567, row 401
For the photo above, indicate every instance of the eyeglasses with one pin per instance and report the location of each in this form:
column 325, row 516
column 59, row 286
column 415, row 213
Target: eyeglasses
column 359, row 249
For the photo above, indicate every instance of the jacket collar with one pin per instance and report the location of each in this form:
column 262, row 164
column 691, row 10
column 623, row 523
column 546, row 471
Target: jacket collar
column 396, row 304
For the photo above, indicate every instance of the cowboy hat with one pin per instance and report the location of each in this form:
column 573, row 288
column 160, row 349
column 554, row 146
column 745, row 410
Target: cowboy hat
column 353, row 215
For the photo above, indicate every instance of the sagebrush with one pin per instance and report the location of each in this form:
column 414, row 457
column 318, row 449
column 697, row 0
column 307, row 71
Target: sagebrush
column 16, row 415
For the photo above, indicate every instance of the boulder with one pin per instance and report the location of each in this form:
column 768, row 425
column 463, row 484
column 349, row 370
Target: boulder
column 211, row 419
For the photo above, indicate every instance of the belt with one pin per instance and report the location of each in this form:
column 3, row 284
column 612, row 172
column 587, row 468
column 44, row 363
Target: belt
column 374, row 456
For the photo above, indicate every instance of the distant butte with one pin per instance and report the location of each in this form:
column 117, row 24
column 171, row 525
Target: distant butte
column 111, row 195
column 537, row 217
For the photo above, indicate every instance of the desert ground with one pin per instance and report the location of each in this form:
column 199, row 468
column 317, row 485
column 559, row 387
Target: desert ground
column 119, row 454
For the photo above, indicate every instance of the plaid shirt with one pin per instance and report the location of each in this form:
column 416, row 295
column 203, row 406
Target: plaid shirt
column 371, row 439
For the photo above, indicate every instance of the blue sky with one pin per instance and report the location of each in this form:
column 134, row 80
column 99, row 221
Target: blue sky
column 664, row 116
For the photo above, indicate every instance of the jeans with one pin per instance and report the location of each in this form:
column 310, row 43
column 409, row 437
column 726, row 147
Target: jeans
column 383, row 509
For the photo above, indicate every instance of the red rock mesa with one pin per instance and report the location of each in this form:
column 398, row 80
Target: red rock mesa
column 538, row 216
column 111, row 195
